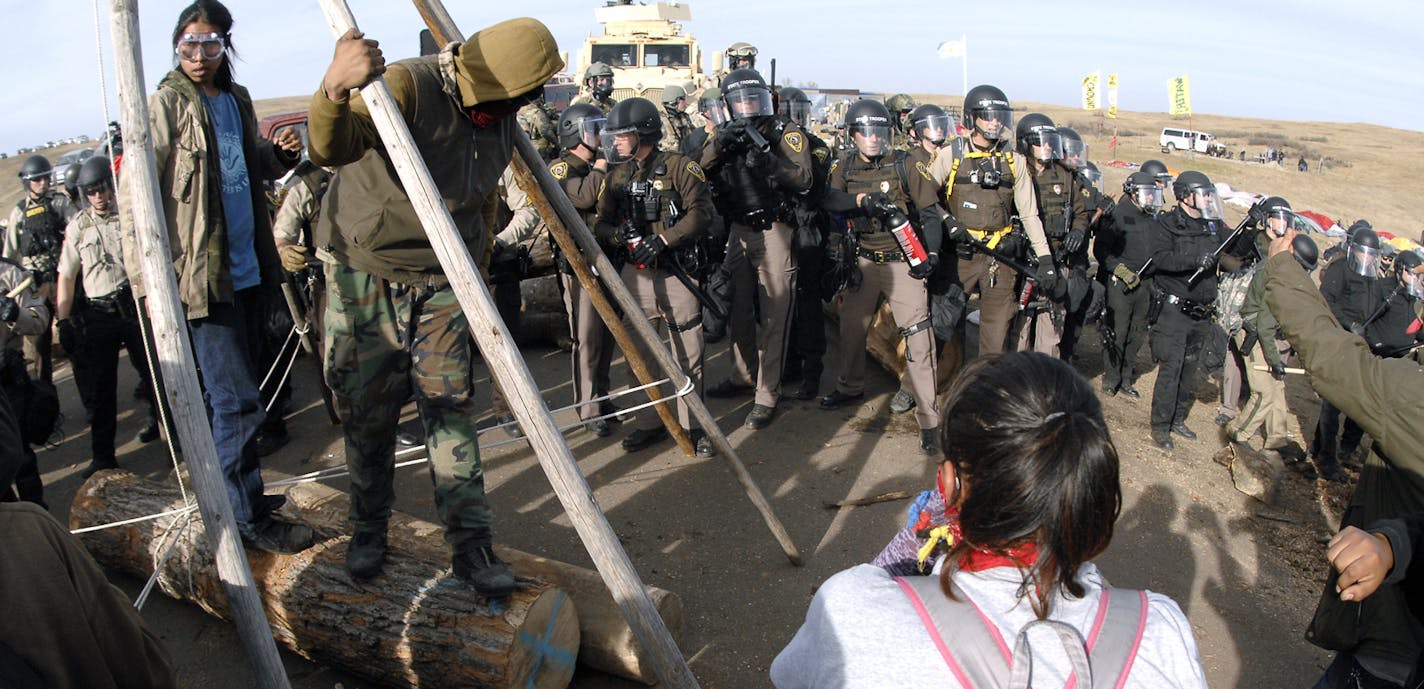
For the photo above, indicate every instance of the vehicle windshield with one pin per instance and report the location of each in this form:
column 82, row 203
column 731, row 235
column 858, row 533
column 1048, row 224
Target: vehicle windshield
column 615, row 54
column 665, row 55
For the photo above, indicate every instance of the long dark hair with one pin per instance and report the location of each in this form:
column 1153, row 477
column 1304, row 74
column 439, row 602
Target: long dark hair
column 215, row 13
column 1027, row 433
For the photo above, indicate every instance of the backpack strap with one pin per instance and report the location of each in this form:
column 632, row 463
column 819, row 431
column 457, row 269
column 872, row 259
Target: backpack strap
column 1116, row 636
column 960, row 626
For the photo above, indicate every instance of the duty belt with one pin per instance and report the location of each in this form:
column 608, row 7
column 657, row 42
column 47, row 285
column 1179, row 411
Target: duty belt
column 990, row 238
column 1191, row 309
column 881, row 256
column 119, row 303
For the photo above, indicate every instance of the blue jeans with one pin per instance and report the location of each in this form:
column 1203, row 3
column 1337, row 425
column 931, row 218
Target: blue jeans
column 221, row 346
column 1346, row 673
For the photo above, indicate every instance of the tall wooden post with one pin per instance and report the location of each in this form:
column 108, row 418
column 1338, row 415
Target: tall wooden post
column 567, row 228
column 180, row 375
column 507, row 366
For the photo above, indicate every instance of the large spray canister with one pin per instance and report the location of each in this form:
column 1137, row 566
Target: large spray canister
column 907, row 238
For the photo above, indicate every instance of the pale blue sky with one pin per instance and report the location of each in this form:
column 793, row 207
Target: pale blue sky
column 1306, row 60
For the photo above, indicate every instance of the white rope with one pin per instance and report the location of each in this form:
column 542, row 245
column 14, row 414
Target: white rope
column 181, row 510
column 161, row 558
column 103, row 87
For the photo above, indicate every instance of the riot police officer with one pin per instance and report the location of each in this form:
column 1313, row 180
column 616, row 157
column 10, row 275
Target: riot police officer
column 654, row 203
column 759, row 163
column 1065, row 222
column 806, row 351
column 22, row 315
column 873, row 189
column 1124, row 240
column 1159, row 173
column 677, row 125
column 33, row 239
column 985, row 186
column 580, row 170
column 93, row 253
column 598, row 87
column 1184, row 244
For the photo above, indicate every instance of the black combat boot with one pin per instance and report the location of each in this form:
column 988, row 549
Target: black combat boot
column 366, row 554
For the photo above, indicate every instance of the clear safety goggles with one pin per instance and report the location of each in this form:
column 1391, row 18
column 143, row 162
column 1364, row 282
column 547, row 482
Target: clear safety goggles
column 749, row 102
column 1075, row 154
column 872, row 141
column 993, row 124
column 798, row 111
column 1208, row 203
column 193, row 47
column 611, row 139
column 934, row 129
column 1149, row 198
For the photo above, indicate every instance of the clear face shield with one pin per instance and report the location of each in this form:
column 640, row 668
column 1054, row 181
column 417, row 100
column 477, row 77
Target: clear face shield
column 1364, row 260
column 196, row 47
column 1045, row 145
column 1094, row 178
column 798, row 111
column 993, row 124
column 590, row 132
column 749, row 102
column 619, row 145
column 714, row 110
column 1412, row 282
column 872, row 141
column 1075, row 154
column 1207, row 202
column 1149, row 199
column 934, row 129
column 1278, row 220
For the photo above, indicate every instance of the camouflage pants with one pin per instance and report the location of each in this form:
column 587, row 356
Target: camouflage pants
column 386, row 342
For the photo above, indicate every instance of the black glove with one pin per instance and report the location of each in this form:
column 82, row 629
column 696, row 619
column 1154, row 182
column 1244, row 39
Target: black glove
column 1278, row 370
column 1047, row 274
column 626, row 232
column 871, row 203
column 926, row 267
column 1207, row 262
column 1257, row 214
column 68, row 338
column 1011, row 245
column 649, row 249
column 1074, row 241
column 954, row 230
column 758, row 160
column 9, row 309
column 733, row 134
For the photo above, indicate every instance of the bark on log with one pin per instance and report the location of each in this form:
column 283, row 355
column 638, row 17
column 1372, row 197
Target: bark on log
column 606, row 642
column 414, row 626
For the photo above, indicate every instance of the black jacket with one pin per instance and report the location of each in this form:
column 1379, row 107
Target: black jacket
column 1124, row 236
column 1178, row 242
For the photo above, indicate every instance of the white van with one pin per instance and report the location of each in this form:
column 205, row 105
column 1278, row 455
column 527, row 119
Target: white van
column 1174, row 139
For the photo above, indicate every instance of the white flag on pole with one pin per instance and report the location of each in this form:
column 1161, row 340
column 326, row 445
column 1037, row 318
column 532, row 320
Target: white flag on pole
column 951, row 49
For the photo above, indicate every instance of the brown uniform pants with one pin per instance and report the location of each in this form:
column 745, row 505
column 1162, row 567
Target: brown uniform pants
column 764, row 275
column 910, row 304
column 593, row 346
column 1038, row 333
column 997, row 302
column 667, row 302
column 1267, row 404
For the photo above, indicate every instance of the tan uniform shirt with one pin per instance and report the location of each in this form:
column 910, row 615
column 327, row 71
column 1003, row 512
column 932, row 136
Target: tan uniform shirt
column 34, row 315
column 1024, row 195
column 93, row 250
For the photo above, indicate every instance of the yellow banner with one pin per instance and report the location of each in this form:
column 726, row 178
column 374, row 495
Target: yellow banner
column 1179, row 96
column 1092, row 85
column 1112, row 96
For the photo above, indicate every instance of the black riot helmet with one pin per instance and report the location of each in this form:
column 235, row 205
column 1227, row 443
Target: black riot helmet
column 1196, row 191
column 1405, row 265
column 1159, row 172
column 71, row 182
column 869, row 124
column 1275, row 214
column 94, row 172
column 1035, row 136
column 990, row 105
column 1306, row 253
column 929, row 122
column 35, row 168
column 1075, row 151
column 581, row 123
column 1364, row 253
column 1094, row 176
column 794, row 105
column 634, row 115
column 746, row 94
column 1144, row 191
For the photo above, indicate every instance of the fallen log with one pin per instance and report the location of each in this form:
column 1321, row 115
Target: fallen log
column 414, row 626
column 606, row 642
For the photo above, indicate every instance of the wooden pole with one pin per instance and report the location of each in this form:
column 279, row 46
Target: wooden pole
column 567, row 228
column 180, row 375
column 507, row 366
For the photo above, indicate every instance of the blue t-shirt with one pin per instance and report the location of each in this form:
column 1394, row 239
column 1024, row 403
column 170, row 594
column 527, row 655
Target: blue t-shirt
column 236, row 190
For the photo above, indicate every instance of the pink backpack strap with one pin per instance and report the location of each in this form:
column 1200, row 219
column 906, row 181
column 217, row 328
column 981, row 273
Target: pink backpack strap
column 961, row 626
column 1116, row 636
